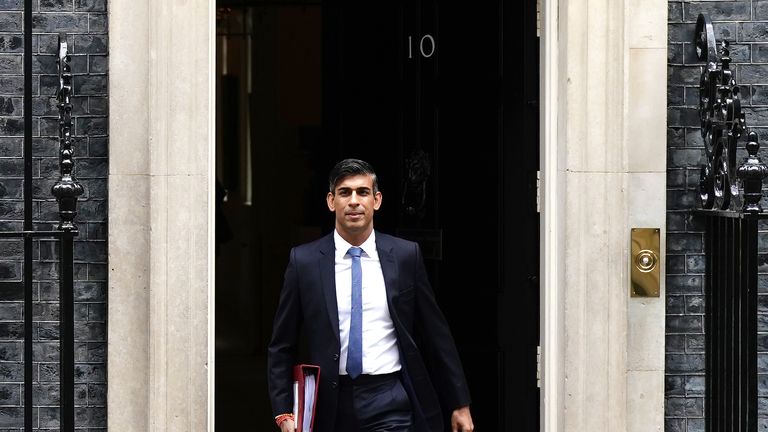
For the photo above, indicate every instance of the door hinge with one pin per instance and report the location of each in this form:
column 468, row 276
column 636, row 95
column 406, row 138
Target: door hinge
column 538, row 366
column 538, row 191
column 538, row 18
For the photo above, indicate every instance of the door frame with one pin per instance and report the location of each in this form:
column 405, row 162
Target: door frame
column 552, row 233
column 135, row 180
column 161, row 181
column 627, row 158
column 151, row 83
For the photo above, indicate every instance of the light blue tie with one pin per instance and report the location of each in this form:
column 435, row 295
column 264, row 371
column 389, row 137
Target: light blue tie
column 355, row 350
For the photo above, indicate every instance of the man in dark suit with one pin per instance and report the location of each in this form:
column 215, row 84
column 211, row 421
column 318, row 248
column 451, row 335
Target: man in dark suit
column 363, row 299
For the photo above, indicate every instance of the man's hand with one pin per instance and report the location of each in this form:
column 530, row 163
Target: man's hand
column 287, row 426
column 461, row 420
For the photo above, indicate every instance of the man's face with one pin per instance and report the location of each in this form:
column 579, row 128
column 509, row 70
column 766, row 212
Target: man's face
column 354, row 203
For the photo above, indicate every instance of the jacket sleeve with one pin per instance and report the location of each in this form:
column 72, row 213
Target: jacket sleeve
column 281, row 353
column 438, row 346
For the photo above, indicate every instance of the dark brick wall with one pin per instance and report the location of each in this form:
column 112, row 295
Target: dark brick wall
column 744, row 24
column 86, row 23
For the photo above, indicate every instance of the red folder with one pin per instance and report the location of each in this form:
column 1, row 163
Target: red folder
column 306, row 380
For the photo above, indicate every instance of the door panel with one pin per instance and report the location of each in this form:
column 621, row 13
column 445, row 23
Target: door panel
column 475, row 213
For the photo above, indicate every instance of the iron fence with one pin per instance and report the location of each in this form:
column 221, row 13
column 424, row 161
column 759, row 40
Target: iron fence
column 731, row 205
column 730, row 290
column 66, row 190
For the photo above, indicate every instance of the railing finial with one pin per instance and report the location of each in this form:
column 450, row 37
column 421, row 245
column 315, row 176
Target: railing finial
column 751, row 173
column 67, row 189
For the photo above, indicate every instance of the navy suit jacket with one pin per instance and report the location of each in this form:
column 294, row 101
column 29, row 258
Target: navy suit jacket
column 308, row 302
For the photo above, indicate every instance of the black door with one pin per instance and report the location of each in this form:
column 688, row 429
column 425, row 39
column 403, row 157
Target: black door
column 442, row 99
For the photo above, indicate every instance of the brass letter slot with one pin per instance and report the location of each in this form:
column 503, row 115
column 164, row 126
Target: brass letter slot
column 646, row 268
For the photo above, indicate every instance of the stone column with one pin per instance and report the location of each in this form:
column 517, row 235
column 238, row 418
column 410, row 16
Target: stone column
column 596, row 232
column 160, row 187
column 604, row 172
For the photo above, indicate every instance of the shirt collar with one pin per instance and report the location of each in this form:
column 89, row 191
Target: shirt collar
column 342, row 246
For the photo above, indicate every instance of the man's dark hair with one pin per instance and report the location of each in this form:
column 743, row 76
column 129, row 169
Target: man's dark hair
column 349, row 168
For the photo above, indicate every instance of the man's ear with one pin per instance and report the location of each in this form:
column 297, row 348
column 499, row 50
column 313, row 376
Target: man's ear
column 329, row 201
column 377, row 200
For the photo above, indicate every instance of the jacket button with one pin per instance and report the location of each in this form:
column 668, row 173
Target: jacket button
column 333, row 384
column 335, row 357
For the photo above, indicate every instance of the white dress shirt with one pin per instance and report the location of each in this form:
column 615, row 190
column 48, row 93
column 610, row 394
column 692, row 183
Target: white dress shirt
column 380, row 352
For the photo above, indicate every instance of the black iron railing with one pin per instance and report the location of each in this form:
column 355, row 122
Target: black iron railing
column 730, row 200
column 66, row 190
column 730, row 290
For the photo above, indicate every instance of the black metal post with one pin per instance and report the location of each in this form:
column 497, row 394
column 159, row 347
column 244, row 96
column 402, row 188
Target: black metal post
column 67, row 329
column 749, row 332
column 66, row 191
column 28, row 330
column 709, row 331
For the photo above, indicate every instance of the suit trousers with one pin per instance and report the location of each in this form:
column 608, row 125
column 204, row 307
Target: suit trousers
column 373, row 403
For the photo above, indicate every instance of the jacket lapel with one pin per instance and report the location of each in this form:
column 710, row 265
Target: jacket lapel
column 388, row 265
column 327, row 269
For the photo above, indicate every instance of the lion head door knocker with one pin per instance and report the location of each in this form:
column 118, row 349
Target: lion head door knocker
column 415, row 187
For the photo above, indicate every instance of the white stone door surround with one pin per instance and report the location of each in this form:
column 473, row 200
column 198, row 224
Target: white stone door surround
column 603, row 172
column 160, row 324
